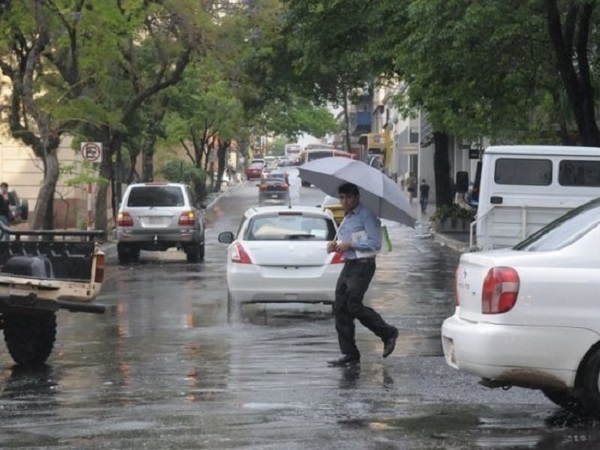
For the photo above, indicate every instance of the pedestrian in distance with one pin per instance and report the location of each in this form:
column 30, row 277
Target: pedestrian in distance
column 5, row 202
column 424, row 195
column 359, row 240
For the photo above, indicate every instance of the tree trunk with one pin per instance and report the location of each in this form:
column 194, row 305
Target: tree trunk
column 221, row 159
column 444, row 193
column 347, row 123
column 570, row 43
column 43, row 215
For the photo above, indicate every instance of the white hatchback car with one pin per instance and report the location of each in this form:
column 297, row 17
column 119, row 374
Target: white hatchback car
column 530, row 316
column 279, row 255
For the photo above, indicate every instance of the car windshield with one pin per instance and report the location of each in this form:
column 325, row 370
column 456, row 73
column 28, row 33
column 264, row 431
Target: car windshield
column 290, row 226
column 565, row 230
column 155, row 196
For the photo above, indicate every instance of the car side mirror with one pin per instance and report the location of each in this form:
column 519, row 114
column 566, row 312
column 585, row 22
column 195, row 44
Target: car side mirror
column 226, row 237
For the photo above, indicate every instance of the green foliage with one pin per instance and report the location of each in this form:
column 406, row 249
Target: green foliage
column 452, row 212
column 179, row 171
column 80, row 174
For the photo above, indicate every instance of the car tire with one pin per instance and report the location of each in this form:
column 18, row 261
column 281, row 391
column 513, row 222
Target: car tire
column 125, row 253
column 305, row 184
column 195, row 253
column 30, row 337
column 567, row 400
column 590, row 386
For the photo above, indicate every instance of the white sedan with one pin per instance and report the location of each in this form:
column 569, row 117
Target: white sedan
column 530, row 316
column 279, row 255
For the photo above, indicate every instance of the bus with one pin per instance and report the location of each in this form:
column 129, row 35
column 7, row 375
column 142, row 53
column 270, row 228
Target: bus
column 318, row 153
column 292, row 151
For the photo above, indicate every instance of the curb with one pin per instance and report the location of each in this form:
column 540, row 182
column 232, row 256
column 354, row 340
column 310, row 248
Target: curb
column 455, row 244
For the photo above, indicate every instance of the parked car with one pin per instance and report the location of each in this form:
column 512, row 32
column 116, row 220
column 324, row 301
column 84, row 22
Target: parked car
column 157, row 217
column 528, row 316
column 273, row 189
column 19, row 209
column 279, row 255
column 254, row 171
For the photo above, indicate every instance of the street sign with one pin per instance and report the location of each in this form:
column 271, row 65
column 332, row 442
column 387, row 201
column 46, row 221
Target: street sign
column 474, row 153
column 91, row 151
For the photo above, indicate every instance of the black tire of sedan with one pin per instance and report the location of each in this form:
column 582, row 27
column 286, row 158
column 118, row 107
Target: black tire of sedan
column 30, row 337
column 565, row 399
column 590, row 383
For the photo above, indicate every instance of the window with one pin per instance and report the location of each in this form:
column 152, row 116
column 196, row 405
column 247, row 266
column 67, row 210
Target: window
column 579, row 173
column 524, row 172
column 290, row 227
column 155, row 196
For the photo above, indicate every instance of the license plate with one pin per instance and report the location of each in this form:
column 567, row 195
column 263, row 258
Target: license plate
column 274, row 195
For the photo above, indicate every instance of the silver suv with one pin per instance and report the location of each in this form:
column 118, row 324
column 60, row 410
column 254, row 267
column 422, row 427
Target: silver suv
column 156, row 217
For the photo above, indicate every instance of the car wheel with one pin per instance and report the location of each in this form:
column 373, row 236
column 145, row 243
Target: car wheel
column 567, row 400
column 590, row 383
column 125, row 253
column 30, row 337
column 305, row 184
column 191, row 254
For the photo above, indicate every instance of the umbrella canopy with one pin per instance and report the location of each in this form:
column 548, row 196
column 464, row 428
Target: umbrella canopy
column 377, row 191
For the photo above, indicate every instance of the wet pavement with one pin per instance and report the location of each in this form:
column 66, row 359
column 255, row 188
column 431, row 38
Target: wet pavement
column 167, row 368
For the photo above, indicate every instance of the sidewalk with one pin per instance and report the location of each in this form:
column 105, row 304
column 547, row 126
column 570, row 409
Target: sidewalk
column 456, row 241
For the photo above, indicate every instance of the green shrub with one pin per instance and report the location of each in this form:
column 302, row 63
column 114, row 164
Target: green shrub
column 453, row 212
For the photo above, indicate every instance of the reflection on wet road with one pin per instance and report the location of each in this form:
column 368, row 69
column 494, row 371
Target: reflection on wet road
column 166, row 368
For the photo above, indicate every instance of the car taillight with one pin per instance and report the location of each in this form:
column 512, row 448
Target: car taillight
column 338, row 258
column 100, row 264
column 187, row 218
column 283, row 185
column 124, row 219
column 239, row 254
column 263, row 187
column 500, row 290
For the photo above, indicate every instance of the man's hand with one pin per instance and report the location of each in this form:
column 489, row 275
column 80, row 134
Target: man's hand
column 338, row 246
column 343, row 246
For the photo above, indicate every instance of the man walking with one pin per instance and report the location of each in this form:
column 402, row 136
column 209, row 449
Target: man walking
column 424, row 195
column 359, row 239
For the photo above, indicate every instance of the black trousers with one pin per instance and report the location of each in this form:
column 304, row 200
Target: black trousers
column 352, row 285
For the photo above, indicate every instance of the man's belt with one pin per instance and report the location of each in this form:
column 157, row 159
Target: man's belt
column 360, row 261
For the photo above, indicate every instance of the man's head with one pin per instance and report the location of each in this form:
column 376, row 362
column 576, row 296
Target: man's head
column 349, row 196
column 4, row 186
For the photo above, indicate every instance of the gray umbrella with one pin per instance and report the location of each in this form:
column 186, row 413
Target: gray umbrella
column 377, row 191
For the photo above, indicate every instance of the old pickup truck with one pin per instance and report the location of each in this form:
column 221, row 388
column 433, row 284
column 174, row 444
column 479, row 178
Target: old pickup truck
column 40, row 273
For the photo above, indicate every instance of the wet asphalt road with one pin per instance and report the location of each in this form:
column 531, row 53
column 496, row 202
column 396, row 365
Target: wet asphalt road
column 165, row 368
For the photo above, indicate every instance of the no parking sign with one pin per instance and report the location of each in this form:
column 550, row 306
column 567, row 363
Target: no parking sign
column 91, row 151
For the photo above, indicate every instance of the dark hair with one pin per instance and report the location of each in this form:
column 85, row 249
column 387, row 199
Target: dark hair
column 4, row 184
column 348, row 189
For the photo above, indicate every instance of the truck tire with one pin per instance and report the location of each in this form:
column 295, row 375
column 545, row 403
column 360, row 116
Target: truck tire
column 30, row 337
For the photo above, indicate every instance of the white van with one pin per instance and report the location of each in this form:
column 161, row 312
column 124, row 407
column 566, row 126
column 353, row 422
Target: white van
column 524, row 187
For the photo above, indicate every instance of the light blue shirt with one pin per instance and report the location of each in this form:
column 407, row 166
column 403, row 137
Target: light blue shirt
column 360, row 219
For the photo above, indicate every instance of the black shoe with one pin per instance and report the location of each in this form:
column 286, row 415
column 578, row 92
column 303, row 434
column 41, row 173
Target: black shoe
column 344, row 361
column 389, row 344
